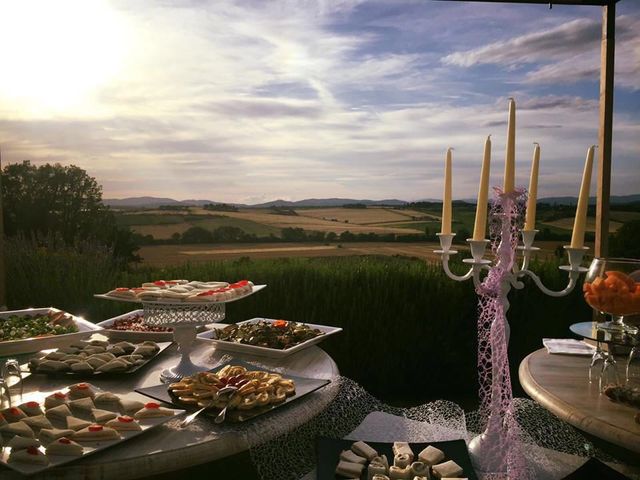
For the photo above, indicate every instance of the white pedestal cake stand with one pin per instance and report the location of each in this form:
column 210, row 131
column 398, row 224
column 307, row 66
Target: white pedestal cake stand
column 184, row 318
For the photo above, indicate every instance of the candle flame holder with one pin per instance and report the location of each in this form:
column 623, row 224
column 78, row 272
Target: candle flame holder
column 497, row 450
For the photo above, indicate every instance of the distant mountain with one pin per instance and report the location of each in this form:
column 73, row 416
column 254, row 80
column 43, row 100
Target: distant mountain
column 327, row 202
column 153, row 202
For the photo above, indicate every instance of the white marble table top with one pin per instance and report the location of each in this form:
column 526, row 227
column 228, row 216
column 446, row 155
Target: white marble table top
column 169, row 448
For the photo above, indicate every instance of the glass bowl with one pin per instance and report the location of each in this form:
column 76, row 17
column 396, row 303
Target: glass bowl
column 612, row 287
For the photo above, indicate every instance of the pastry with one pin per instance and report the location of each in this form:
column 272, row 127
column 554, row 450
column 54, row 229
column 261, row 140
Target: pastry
column 52, row 366
column 419, row 469
column 58, row 413
column 38, row 422
column 102, row 416
column 81, row 390
column 397, row 473
column 54, row 356
column 117, row 351
column 29, row 455
column 107, row 401
column 96, row 362
column 113, row 366
column 19, row 442
column 126, row 346
column 99, row 343
column 349, row 456
column 96, row 433
column 68, row 350
column 375, row 469
column 348, row 469
column 448, row 469
column 105, row 357
column 403, row 448
column 66, row 447
column 32, row 409
column 431, row 456
column 75, row 423
column 18, row 428
column 48, row 435
column 145, row 351
column 381, row 460
column 83, row 405
column 363, row 450
column 124, row 423
column 55, row 399
column 380, row 477
column 3, row 421
column 130, row 406
column 81, row 367
column 153, row 410
column 401, row 460
column 13, row 414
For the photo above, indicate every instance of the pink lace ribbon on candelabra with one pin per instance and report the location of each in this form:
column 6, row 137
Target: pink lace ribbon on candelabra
column 496, row 396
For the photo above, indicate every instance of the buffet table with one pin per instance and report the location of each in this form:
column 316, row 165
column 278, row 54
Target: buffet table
column 560, row 384
column 169, row 448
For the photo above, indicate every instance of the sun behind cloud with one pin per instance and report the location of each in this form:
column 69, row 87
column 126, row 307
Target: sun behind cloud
column 56, row 54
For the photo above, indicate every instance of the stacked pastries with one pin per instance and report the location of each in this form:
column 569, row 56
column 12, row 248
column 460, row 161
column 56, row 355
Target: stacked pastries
column 429, row 462
column 70, row 422
column 93, row 356
column 172, row 291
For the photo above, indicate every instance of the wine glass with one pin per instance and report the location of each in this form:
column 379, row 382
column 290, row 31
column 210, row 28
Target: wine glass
column 612, row 287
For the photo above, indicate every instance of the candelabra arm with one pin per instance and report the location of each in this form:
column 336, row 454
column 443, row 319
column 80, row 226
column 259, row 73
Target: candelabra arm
column 453, row 276
column 573, row 277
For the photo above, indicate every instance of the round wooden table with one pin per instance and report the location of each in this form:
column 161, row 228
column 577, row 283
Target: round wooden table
column 560, row 384
column 167, row 449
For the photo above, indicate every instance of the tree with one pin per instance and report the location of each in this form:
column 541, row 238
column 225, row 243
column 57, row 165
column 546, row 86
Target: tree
column 626, row 241
column 63, row 201
column 293, row 234
column 197, row 235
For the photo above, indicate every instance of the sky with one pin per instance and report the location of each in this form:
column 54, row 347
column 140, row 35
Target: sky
column 250, row 101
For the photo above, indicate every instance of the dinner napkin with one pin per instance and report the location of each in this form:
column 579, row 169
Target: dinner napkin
column 595, row 469
column 568, row 346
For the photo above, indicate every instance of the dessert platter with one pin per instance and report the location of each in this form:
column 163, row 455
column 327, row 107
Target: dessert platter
column 53, row 428
column 267, row 337
column 34, row 329
column 131, row 326
column 97, row 356
column 243, row 391
column 183, row 292
column 340, row 458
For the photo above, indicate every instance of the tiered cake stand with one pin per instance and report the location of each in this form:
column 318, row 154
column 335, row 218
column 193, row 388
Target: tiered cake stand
column 184, row 318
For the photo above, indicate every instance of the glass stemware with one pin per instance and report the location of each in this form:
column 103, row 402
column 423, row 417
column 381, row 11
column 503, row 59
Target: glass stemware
column 609, row 375
column 597, row 360
column 633, row 367
column 612, row 287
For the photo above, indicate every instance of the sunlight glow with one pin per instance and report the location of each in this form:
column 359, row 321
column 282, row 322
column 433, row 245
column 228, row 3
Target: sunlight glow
column 56, row 54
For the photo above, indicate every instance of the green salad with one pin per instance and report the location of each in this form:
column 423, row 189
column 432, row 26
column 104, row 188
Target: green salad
column 18, row 327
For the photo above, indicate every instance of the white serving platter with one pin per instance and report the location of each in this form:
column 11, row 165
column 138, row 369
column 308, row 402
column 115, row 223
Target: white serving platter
column 89, row 447
column 241, row 348
column 132, row 335
column 172, row 301
column 35, row 344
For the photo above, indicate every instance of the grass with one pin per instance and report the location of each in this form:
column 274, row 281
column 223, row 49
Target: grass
column 409, row 331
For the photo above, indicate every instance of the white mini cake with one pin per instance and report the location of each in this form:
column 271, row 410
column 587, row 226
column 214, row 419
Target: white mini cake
column 380, row 477
column 17, row 428
column 107, row 401
column 66, row 447
column 29, row 455
column 375, row 469
column 152, row 410
column 363, row 450
column 81, row 367
column 81, row 390
column 48, row 435
column 130, row 406
column 102, row 416
column 448, row 469
column 32, row 409
column 96, row 433
column 124, row 423
column 58, row 413
column 431, row 456
column 419, row 469
column 401, row 460
column 381, row 460
column 96, row 362
column 38, row 422
column 13, row 414
column 55, row 399
column 84, row 405
column 52, row 366
column 19, row 442
column 76, row 424
column 113, row 366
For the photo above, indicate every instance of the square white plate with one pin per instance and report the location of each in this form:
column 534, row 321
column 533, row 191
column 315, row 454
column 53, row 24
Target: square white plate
column 35, row 344
column 264, row 351
column 132, row 335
